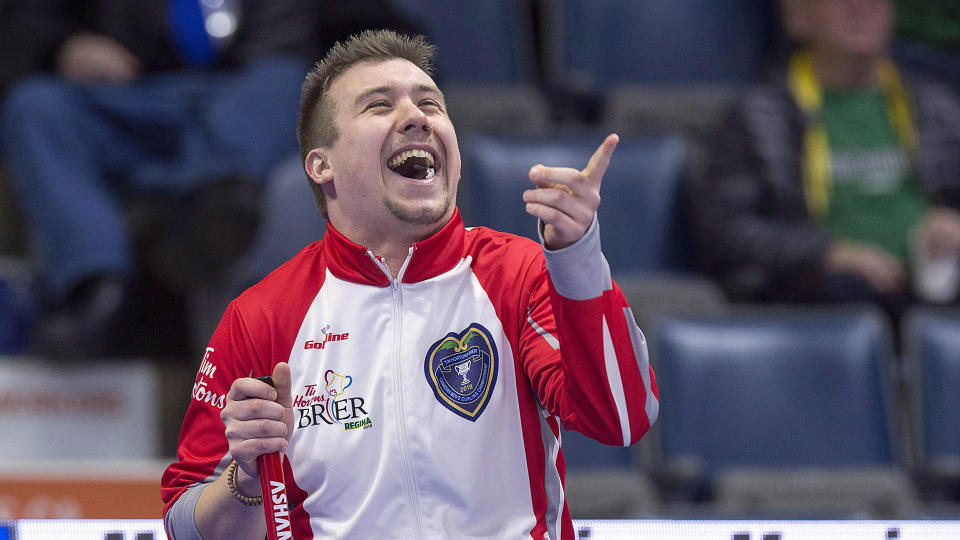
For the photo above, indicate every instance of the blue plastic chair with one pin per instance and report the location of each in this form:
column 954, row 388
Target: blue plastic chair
column 932, row 344
column 605, row 482
column 483, row 41
column 602, row 42
column 776, row 388
column 782, row 413
column 640, row 216
column 582, row 452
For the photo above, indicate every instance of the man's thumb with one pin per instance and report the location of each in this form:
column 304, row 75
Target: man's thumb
column 281, row 381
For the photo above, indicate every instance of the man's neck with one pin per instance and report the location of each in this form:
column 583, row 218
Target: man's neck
column 393, row 254
column 846, row 72
column 392, row 246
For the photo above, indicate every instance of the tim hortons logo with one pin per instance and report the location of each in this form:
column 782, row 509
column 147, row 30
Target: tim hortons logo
column 200, row 391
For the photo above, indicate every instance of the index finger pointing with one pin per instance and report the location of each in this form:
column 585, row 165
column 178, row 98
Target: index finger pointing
column 600, row 159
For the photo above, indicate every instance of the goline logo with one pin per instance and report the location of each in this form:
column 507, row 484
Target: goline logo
column 281, row 514
column 327, row 338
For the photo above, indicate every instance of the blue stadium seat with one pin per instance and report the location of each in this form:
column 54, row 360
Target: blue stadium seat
column 640, row 219
column 582, row 452
column 484, row 41
column 605, row 482
column 18, row 309
column 783, row 412
column 602, row 42
column 486, row 62
column 932, row 344
column 775, row 388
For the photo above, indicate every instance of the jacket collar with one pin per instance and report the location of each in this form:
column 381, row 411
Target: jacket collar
column 431, row 256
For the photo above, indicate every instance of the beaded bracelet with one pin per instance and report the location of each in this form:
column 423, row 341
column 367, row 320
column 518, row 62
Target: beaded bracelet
column 232, row 486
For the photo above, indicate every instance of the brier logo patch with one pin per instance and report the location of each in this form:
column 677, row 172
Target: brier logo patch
column 462, row 369
column 331, row 405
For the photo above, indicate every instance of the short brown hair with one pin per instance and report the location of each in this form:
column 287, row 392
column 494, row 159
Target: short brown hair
column 315, row 122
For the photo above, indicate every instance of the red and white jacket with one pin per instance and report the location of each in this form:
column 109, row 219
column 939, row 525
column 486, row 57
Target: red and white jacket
column 427, row 405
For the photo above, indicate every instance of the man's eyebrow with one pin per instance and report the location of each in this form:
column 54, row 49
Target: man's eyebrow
column 372, row 91
column 429, row 89
column 422, row 88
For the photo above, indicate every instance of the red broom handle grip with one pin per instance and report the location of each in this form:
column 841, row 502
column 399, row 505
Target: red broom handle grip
column 274, row 491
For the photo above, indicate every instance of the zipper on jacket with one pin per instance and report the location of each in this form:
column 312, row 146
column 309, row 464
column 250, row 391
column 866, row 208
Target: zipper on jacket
column 395, row 284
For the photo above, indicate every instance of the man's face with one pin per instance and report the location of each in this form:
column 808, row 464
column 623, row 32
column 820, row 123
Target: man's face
column 848, row 27
column 396, row 161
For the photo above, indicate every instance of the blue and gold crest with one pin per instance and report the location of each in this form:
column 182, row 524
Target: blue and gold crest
column 462, row 370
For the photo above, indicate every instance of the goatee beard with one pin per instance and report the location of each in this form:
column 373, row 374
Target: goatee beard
column 420, row 215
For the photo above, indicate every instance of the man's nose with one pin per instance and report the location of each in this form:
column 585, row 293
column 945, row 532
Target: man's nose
column 413, row 119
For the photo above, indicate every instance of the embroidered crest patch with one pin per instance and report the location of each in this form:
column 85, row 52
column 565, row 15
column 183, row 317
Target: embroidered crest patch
column 462, row 370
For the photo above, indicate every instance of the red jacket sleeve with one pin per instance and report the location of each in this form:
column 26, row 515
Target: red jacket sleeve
column 585, row 356
column 202, row 445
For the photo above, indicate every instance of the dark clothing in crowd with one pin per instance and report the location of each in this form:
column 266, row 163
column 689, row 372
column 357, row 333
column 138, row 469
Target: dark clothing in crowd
column 751, row 222
column 190, row 136
column 37, row 29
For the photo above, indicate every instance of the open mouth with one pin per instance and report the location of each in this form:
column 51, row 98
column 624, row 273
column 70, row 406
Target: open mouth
column 416, row 164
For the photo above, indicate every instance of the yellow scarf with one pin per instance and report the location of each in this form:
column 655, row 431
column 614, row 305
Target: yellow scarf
column 817, row 173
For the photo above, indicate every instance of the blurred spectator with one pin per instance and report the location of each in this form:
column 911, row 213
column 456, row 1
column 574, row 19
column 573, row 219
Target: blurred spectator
column 114, row 100
column 165, row 118
column 837, row 177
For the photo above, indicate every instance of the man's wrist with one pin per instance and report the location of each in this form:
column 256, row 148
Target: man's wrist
column 579, row 271
column 242, row 485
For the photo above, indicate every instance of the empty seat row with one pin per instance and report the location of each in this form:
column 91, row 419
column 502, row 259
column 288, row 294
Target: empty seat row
column 593, row 43
column 799, row 412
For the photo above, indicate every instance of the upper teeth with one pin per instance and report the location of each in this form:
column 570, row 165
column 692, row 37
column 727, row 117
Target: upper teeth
column 407, row 154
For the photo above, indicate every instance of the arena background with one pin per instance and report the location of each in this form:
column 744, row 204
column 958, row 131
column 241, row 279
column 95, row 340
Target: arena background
column 540, row 81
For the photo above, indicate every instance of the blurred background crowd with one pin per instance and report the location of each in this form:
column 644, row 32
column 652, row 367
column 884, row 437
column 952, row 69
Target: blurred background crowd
column 783, row 211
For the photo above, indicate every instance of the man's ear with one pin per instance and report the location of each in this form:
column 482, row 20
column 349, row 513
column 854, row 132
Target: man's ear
column 318, row 166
